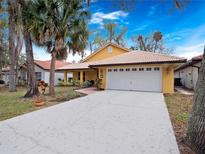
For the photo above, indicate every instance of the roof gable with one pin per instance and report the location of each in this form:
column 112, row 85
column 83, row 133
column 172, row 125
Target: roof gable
column 139, row 57
column 102, row 53
column 46, row 64
column 190, row 63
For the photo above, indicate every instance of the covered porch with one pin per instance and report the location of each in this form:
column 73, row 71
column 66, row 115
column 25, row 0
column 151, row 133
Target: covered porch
column 82, row 73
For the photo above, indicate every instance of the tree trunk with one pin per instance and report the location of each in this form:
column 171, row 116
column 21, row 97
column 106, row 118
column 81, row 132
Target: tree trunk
column 19, row 39
column 32, row 84
column 91, row 48
column 144, row 46
column 12, row 84
column 52, row 74
column 196, row 127
column 1, row 64
column 155, row 46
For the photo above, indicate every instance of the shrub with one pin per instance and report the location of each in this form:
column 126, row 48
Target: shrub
column 2, row 82
column 87, row 84
column 76, row 83
column 98, row 82
column 21, row 82
column 64, row 83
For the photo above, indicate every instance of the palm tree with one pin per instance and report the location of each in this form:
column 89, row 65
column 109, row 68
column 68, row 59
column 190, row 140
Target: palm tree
column 91, row 42
column 157, row 36
column 141, row 43
column 119, row 38
column 18, row 37
column 110, row 28
column 98, row 41
column 59, row 26
column 3, row 43
column 113, row 35
column 11, row 11
column 23, row 10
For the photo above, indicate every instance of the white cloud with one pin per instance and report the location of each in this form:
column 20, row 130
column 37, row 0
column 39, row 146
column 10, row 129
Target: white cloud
column 77, row 57
column 98, row 17
column 177, row 35
column 190, row 51
column 192, row 47
column 93, row 1
column 188, row 42
column 152, row 10
column 126, row 23
column 190, row 54
column 140, row 28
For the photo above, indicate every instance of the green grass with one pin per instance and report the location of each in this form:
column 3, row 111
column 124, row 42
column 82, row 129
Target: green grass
column 13, row 104
column 179, row 108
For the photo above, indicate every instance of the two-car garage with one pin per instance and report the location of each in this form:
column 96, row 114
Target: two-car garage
column 129, row 70
column 135, row 78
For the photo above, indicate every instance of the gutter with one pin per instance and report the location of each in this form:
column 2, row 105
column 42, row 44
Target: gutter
column 139, row 63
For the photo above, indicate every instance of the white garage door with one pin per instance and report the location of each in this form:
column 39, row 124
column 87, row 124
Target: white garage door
column 135, row 78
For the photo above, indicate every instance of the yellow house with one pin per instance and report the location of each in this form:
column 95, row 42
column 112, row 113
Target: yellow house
column 119, row 68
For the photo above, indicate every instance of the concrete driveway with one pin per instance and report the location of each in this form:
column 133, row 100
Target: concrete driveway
column 107, row 122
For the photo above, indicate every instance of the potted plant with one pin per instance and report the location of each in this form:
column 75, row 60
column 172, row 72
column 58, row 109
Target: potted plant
column 2, row 83
column 39, row 101
column 42, row 85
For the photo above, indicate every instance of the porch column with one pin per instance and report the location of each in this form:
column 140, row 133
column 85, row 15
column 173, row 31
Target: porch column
column 65, row 76
column 81, row 77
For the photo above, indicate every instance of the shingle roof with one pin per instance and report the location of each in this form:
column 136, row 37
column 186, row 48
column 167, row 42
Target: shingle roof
column 6, row 69
column 46, row 64
column 138, row 57
column 134, row 57
column 199, row 57
column 84, row 65
column 191, row 62
column 104, row 46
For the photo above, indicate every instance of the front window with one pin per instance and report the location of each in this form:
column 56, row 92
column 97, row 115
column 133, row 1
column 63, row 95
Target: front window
column 141, row 69
column 148, row 69
column 79, row 76
column 156, row 68
column 38, row 76
column 84, row 76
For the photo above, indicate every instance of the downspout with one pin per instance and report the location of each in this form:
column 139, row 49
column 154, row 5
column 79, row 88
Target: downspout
column 193, row 66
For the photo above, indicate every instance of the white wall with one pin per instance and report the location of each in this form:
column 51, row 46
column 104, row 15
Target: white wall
column 57, row 76
column 177, row 74
column 188, row 75
column 195, row 73
column 38, row 69
column 5, row 77
column 44, row 75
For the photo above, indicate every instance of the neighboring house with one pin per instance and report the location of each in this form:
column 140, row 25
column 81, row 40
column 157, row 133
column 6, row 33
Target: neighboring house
column 42, row 69
column 187, row 73
column 116, row 67
column 5, row 75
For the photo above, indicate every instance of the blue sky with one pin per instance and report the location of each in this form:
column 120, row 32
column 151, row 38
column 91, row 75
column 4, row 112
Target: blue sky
column 183, row 30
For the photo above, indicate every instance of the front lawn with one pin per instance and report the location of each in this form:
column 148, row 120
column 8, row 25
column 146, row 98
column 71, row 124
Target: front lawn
column 13, row 104
column 179, row 107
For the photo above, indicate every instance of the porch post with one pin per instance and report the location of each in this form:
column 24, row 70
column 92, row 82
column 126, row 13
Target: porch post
column 81, row 77
column 65, row 76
